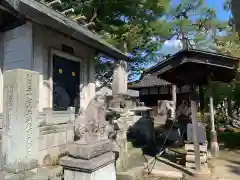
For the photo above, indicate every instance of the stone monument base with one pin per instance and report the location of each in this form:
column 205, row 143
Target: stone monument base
column 101, row 168
column 117, row 100
column 89, row 151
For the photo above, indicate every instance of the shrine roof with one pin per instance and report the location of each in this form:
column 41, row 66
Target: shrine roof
column 192, row 66
column 44, row 15
column 148, row 80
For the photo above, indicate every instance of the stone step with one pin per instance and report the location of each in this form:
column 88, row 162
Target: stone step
column 190, row 147
column 192, row 165
column 191, row 158
column 192, row 153
column 174, row 175
column 55, row 128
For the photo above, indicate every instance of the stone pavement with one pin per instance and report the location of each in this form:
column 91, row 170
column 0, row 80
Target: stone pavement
column 135, row 168
column 227, row 166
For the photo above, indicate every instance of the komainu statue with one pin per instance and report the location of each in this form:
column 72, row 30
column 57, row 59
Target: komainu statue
column 91, row 121
column 92, row 137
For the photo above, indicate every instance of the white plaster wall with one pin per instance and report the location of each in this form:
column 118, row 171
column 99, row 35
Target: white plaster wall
column 15, row 52
column 29, row 46
column 44, row 40
column 17, row 44
column 1, row 72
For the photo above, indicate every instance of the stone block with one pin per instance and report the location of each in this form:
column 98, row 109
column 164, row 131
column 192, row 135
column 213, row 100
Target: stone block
column 54, row 172
column 55, row 128
column 52, row 140
column 190, row 147
column 62, row 149
column 21, row 166
column 201, row 153
column 44, row 157
column 42, row 142
column 192, row 165
column 191, row 158
column 104, row 173
column 88, row 151
column 61, row 138
column 46, row 141
column 201, row 133
column 48, row 156
column 90, row 165
column 70, row 136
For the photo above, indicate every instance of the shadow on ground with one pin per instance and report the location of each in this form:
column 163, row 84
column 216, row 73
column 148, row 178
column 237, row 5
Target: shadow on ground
column 234, row 166
column 151, row 140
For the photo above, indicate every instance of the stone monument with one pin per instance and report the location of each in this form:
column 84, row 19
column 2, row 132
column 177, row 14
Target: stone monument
column 119, row 84
column 20, row 131
column 189, row 147
column 91, row 156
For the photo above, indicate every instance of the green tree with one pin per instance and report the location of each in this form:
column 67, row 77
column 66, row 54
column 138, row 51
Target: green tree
column 122, row 22
column 196, row 22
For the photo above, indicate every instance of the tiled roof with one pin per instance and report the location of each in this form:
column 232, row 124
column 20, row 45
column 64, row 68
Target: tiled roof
column 148, row 80
column 46, row 16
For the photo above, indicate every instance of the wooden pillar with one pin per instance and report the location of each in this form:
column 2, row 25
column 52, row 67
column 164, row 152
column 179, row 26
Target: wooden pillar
column 174, row 98
column 201, row 94
column 195, row 127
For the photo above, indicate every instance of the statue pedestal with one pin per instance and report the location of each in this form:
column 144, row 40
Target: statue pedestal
column 89, row 151
column 101, row 167
column 89, row 161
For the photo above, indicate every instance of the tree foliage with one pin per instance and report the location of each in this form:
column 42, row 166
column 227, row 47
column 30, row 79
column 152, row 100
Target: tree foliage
column 131, row 23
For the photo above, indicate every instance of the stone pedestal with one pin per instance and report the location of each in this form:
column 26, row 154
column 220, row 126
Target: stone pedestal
column 121, row 142
column 190, row 157
column 100, row 168
column 89, row 162
column 117, row 100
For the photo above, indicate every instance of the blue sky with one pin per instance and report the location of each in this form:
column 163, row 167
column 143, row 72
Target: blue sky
column 218, row 6
column 173, row 46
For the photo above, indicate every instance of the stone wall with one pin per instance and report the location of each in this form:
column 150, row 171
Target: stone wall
column 56, row 130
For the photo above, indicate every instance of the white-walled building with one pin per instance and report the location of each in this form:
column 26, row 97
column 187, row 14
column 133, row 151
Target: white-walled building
column 33, row 36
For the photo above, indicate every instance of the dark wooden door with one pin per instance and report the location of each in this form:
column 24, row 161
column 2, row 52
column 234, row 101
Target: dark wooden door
column 66, row 81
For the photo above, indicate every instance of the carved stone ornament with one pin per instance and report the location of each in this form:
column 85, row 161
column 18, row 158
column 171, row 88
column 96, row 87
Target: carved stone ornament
column 92, row 121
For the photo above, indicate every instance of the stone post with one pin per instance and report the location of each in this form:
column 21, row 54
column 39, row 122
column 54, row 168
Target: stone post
column 214, row 143
column 174, row 99
column 20, row 111
column 72, row 118
column 119, row 84
column 195, row 128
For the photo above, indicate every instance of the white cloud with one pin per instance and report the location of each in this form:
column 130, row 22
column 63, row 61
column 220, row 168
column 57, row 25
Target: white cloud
column 172, row 46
